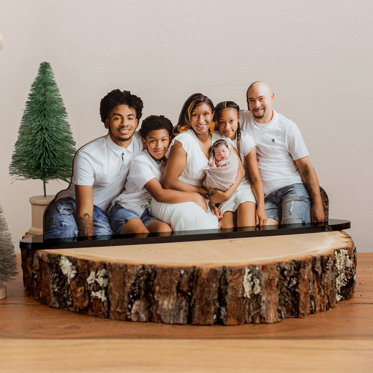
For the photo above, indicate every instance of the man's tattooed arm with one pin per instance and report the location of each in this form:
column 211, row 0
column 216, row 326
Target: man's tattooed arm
column 311, row 183
column 84, row 210
column 305, row 175
column 85, row 226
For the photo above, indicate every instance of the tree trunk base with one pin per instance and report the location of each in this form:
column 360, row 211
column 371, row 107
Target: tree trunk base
column 227, row 281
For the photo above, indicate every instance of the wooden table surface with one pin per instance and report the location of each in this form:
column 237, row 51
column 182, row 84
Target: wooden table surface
column 34, row 337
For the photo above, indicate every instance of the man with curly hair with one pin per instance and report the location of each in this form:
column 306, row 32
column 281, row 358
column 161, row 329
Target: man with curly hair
column 99, row 172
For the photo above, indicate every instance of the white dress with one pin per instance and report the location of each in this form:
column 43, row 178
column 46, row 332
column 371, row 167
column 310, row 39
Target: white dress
column 187, row 215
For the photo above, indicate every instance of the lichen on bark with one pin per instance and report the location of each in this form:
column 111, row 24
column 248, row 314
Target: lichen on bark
column 67, row 269
column 344, row 265
column 251, row 284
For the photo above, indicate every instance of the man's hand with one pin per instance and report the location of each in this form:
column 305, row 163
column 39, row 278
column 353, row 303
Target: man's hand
column 317, row 213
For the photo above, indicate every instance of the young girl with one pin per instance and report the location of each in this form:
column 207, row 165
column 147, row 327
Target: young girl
column 248, row 213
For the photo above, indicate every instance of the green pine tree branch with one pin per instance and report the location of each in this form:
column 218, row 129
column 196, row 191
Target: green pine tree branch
column 45, row 146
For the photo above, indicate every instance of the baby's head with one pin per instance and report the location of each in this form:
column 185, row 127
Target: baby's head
column 156, row 133
column 220, row 150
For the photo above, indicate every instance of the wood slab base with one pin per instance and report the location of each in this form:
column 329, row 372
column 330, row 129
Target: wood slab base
column 226, row 281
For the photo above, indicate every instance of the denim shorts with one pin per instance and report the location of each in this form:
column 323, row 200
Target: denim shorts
column 119, row 216
column 289, row 205
column 59, row 220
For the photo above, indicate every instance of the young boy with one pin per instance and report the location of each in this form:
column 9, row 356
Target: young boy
column 129, row 212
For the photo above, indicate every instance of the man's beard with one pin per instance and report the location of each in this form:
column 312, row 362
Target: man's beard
column 260, row 115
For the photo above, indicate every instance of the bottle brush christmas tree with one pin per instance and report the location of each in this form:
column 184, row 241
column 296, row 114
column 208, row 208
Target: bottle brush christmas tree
column 7, row 256
column 45, row 146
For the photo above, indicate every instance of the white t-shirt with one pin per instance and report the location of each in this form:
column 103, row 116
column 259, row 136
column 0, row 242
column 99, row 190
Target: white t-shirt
column 196, row 160
column 278, row 144
column 143, row 168
column 103, row 165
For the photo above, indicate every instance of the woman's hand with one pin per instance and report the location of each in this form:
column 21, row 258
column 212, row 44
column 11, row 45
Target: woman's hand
column 202, row 191
column 215, row 211
column 217, row 196
column 200, row 201
column 260, row 217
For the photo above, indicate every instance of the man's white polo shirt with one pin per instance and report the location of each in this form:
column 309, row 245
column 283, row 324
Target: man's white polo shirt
column 103, row 165
column 278, row 144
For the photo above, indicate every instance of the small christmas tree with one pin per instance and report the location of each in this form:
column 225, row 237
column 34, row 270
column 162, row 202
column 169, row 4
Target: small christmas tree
column 7, row 256
column 45, row 147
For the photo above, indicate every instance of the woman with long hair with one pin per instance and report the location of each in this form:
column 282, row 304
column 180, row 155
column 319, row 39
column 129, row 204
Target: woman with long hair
column 188, row 157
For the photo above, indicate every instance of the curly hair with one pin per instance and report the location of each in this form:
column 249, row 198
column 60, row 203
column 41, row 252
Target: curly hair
column 229, row 105
column 190, row 104
column 155, row 122
column 117, row 97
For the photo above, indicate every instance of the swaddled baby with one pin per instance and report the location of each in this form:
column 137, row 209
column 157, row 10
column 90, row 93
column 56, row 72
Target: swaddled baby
column 223, row 167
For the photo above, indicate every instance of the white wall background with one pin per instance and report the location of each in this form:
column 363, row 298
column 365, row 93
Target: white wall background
column 317, row 56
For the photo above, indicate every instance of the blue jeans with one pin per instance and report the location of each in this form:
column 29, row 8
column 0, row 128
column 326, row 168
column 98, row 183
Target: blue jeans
column 119, row 216
column 59, row 220
column 289, row 205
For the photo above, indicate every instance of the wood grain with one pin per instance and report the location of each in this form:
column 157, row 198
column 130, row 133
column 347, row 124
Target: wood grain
column 183, row 356
column 229, row 282
column 34, row 337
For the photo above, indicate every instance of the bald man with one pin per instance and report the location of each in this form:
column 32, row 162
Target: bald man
column 291, row 187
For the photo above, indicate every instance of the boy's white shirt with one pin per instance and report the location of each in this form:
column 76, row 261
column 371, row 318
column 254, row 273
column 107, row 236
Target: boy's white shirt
column 135, row 196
